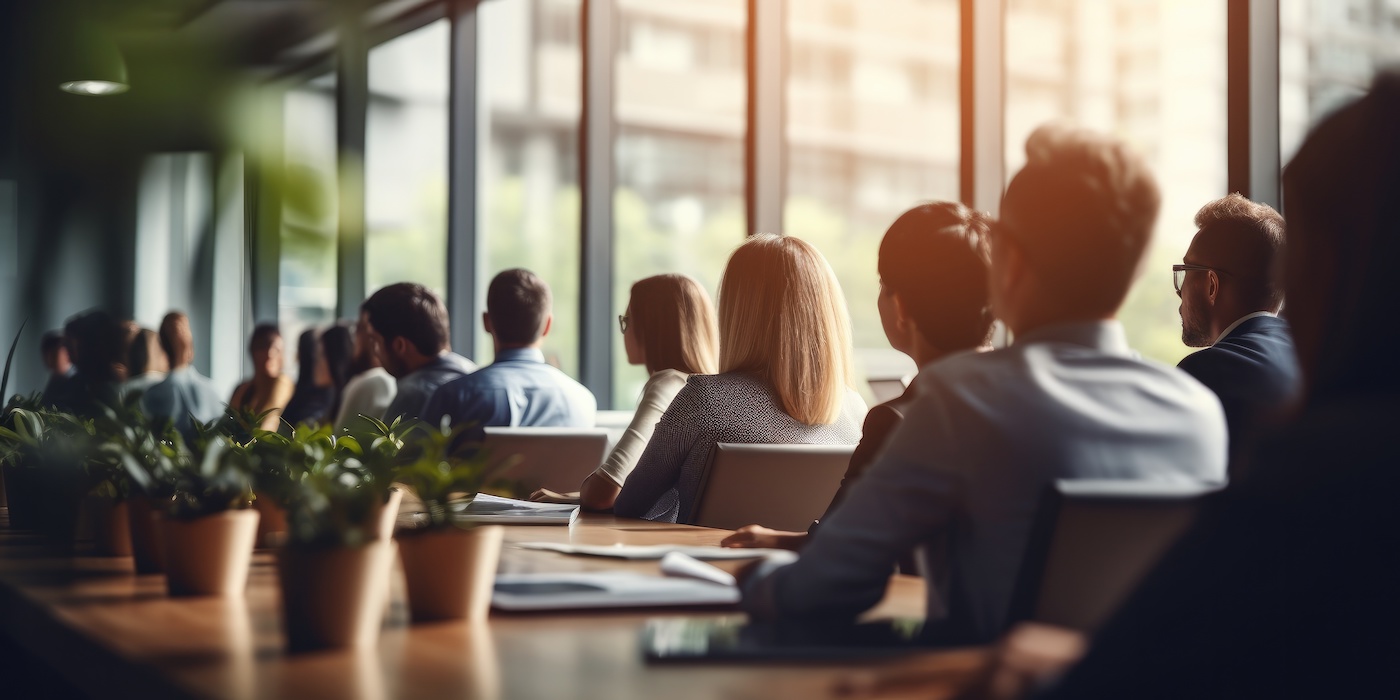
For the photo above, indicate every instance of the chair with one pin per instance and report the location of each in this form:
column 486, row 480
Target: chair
column 779, row 486
column 1092, row 542
column 553, row 458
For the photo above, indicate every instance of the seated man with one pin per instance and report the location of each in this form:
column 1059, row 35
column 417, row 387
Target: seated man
column 1229, row 306
column 987, row 432
column 518, row 389
column 411, row 334
column 184, row 395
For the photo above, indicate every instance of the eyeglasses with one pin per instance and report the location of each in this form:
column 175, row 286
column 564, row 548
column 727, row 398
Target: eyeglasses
column 622, row 321
column 1179, row 274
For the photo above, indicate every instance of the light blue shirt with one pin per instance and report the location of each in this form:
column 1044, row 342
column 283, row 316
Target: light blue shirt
column 518, row 389
column 414, row 390
column 184, row 394
column 987, row 433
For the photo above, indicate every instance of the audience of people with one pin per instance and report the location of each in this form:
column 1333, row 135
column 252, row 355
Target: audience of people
column 184, row 395
column 519, row 388
column 988, row 432
column 370, row 389
column 785, row 376
column 1230, row 300
column 1279, row 589
column 933, row 303
column 411, row 333
column 952, row 471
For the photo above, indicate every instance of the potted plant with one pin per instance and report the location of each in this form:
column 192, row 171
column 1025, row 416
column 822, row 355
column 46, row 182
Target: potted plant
column 449, row 568
column 150, row 452
column 334, row 568
column 20, row 423
column 47, row 455
column 244, row 426
column 210, row 526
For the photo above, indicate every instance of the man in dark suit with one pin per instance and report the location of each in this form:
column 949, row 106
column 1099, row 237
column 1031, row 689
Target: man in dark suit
column 1229, row 306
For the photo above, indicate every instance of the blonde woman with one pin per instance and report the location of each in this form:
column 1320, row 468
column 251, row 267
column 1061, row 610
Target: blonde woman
column 669, row 327
column 268, row 389
column 785, row 374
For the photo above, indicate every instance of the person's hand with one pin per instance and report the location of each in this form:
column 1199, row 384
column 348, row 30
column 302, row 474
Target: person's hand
column 1030, row 656
column 547, row 496
column 759, row 537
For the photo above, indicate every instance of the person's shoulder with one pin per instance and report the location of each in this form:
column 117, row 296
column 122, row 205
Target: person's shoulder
column 666, row 382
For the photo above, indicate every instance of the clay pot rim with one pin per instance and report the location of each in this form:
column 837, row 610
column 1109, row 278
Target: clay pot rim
column 227, row 512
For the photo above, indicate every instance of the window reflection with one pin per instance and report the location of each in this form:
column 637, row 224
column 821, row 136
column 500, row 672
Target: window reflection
column 307, row 274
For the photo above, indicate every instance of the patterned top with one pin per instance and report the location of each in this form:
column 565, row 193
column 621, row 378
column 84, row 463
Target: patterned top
column 732, row 408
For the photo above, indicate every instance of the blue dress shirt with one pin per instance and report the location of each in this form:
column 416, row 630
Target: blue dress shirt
column 967, row 467
column 414, row 390
column 184, row 395
column 518, row 389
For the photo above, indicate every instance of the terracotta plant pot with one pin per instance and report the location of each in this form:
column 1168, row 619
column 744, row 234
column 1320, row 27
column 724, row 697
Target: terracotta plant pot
column 334, row 597
column 111, row 526
column 450, row 572
column 209, row 555
column 272, row 526
column 388, row 514
column 143, row 522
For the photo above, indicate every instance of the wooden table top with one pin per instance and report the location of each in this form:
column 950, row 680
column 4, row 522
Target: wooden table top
column 116, row 634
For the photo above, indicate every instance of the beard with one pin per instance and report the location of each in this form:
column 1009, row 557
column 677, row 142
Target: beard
column 1192, row 334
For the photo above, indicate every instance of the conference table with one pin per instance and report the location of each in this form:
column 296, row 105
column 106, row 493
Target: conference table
column 112, row 633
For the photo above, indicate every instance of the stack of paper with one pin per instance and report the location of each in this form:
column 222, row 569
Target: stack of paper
column 653, row 551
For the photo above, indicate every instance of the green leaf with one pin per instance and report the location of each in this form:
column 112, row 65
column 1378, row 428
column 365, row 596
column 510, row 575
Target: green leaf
column 10, row 358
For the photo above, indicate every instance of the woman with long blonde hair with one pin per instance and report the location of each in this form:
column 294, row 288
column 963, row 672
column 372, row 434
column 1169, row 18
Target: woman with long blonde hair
column 785, row 375
column 668, row 327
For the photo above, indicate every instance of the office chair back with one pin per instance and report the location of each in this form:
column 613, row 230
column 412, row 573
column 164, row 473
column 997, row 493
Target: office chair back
column 1093, row 541
column 553, row 458
column 779, row 486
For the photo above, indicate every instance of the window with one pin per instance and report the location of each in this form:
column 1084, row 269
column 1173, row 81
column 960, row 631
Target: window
column 528, row 196
column 1153, row 74
column 679, row 202
column 1328, row 52
column 406, row 160
column 873, row 129
column 307, row 289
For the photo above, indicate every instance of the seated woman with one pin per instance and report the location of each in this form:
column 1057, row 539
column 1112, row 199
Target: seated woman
column 933, row 303
column 670, row 328
column 311, row 400
column 785, row 371
column 267, row 390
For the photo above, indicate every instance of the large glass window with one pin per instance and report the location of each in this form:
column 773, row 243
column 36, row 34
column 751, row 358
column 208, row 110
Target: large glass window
column 528, row 203
column 309, row 187
column 1328, row 52
column 872, row 130
column 406, row 160
column 679, row 202
column 1151, row 73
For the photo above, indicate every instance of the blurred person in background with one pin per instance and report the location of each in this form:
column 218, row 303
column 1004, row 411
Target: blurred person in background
column 267, row 390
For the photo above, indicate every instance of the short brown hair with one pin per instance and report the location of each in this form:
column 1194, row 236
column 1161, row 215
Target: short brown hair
column 783, row 318
column 176, row 339
column 519, row 302
column 1252, row 238
column 1082, row 212
column 410, row 310
column 934, row 257
column 675, row 324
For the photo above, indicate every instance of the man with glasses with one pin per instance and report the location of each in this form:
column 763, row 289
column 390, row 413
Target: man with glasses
column 1230, row 300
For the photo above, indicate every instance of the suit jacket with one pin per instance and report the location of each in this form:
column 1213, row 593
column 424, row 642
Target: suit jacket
column 1254, row 371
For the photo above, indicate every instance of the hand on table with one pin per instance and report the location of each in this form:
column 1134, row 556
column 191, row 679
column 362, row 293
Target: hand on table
column 759, row 537
column 547, row 496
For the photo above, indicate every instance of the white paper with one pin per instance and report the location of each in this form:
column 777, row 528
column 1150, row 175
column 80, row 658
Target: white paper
column 654, row 551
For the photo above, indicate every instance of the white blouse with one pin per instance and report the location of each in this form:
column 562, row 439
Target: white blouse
column 660, row 388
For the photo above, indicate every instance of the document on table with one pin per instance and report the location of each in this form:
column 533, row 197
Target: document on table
column 652, row 551
column 488, row 509
column 606, row 589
